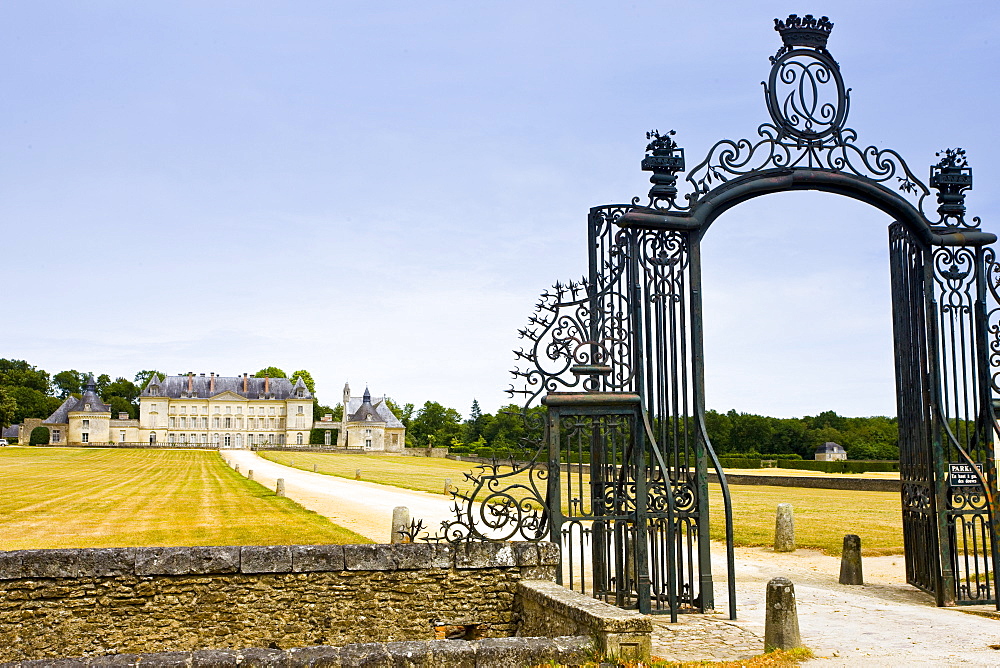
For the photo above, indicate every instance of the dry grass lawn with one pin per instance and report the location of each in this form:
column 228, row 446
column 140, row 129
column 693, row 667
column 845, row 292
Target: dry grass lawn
column 822, row 516
column 75, row 497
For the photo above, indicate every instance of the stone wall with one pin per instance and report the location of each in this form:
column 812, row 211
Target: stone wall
column 65, row 603
column 546, row 609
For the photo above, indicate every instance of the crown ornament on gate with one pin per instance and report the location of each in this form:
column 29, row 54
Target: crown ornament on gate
column 806, row 31
column 665, row 159
column 951, row 177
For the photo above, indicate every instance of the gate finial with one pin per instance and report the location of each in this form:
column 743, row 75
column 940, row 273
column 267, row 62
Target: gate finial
column 952, row 176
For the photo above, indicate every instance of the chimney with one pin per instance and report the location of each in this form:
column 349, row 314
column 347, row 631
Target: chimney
column 190, row 382
column 211, row 383
column 267, row 385
column 244, row 383
column 122, row 416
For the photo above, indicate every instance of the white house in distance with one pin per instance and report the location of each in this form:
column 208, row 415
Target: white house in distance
column 830, row 452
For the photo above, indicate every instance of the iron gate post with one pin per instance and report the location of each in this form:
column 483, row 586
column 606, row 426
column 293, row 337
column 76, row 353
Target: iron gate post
column 553, row 500
column 701, row 461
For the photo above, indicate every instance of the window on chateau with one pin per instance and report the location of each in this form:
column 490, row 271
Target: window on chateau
column 204, row 423
column 86, row 407
column 85, row 437
column 298, row 439
column 229, row 409
column 239, row 440
column 272, row 423
column 171, row 422
column 184, row 423
column 204, row 439
column 184, row 410
column 152, row 438
column 270, row 411
column 368, row 432
column 227, row 441
column 183, row 438
column 215, row 423
column 55, row 435
column 229, row 423
column 239, row 410
column 170, row 439
column 86, row 424
column 121, row 437
column 152, row 408
column 215, row 439
column 301, row 411
column 368, row 443
column 250, row 410
column 218, row 409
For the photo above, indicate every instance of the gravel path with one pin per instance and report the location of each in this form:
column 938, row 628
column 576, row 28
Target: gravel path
column 362, row 507
column 883, row 623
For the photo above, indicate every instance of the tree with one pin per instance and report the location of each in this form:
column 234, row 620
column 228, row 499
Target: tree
column 18, row 373
column 102, row 383
column 472, row 429
column 68, row 382
column 306, row 378
column 271, row 372
column 404, row 413
column 39, row 436
column 122, row 405
column 142, row 378
column 31, row 404
column 435, row 424
column 8, row 408
column 124, row 388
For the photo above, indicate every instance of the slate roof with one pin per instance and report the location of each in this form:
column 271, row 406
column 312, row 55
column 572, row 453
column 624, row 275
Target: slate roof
column 378, row 405
column 61, row 414
column 830, row 446
column 174, row 387
column 11, row 431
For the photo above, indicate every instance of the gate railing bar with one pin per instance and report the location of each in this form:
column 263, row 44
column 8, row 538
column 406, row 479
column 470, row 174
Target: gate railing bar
column 671, row 564
column 727, row 502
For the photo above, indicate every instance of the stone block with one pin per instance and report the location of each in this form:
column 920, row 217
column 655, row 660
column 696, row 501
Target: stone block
column 114, row 660
column 214, row 658
column 312, row 558
column 408, row 653
column 539, row 573
column 526, row 553
column 51, row 563
column 266, row 559
column 457, row 653
column 369, row 655
column 781, row 618
column 412, row 556
column 320, row 655
column 260, row 657
column 484, row 555
column 186, row 560
column 548, row 554
column 10, row 565
column 504, row 652
column 369, row 558
column 106, row 562
column 165, row 660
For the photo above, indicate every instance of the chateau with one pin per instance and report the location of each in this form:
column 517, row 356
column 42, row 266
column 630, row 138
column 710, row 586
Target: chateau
column 225, row 412
column 222, row 412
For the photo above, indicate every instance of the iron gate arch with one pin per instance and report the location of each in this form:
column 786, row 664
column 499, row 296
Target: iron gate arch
column 616, row 469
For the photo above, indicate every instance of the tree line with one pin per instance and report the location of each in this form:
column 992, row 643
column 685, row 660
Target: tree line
column 29, row 392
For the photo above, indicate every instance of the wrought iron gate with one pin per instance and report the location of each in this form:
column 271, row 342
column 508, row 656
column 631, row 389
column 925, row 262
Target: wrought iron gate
column 617, row 469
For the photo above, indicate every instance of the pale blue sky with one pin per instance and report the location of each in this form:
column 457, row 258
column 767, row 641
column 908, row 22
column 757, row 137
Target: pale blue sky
column 378, row 192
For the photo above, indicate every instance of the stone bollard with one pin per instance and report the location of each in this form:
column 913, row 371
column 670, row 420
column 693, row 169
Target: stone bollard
column 400, row 522
column 237, row 468
column 784, row 529
column 291, row 462
column 850, row 561
column 357, row 474
column 280, row 489
column 781, row 619
column 447, row 486
column 250, row 474
column 315, row 468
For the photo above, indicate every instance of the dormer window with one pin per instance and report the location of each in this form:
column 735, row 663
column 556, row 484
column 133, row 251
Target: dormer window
column 86, row 407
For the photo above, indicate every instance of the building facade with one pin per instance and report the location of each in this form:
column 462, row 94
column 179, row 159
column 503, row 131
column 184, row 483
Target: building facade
column 367, row 424
column 225, row 412
column 85, row 421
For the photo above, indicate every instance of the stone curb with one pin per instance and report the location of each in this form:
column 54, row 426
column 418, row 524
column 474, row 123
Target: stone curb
column 485, row 653
column 107, row 562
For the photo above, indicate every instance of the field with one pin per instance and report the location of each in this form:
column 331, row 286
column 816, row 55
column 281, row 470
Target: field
column 74, row 497
column 822, row 516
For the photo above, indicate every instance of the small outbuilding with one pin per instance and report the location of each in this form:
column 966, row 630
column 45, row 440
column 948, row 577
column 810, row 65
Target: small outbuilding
column 830, row 452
